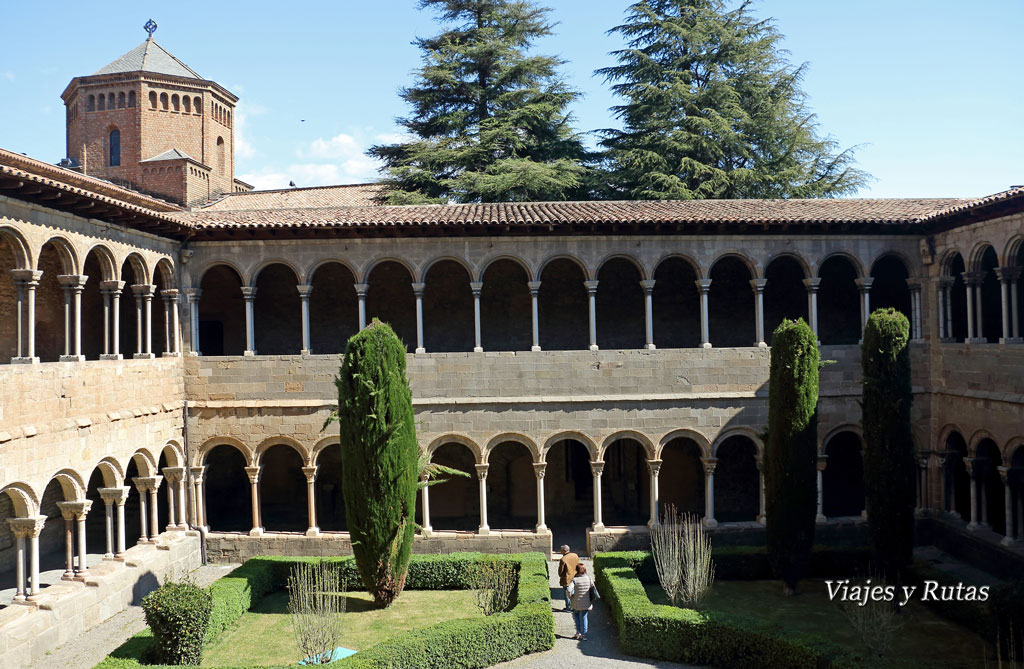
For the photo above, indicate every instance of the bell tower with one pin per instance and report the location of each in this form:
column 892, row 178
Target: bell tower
column 149, row 122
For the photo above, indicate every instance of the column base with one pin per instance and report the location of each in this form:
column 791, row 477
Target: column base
column 82, row 575
column 72, row 358
column 1008, row 541
column 478, row 349
column 109, row 557
column 919, row 340
column 483, row 530
column 193, row 354
column 761, row 344
column 18, row 599
column 706, row 344
column 111, row 356
column 710, row 523
column 532, row 348
column 594, row 347
column 256, row 532
column 597, row 527
column 420, row 349
column 973, row 525
column 427, row 531
column 67, row 576
column 976, row 340
column 144, row 356
column 762, row 519
column 542, row 529
column 1011, row 340
column 24, row 361
column 313, row 532
column 820, row 519
column 650, row 347
column 171, row 354
column 305, row 352
column 249, row 354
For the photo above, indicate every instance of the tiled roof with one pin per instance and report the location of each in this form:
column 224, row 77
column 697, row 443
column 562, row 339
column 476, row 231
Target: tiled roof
column 353, row 195
column 747, row 212
column 171, row 154
column 963, row 205
column 149, row 57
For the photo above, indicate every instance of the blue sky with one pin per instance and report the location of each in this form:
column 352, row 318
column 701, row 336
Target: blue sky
column 929, row 90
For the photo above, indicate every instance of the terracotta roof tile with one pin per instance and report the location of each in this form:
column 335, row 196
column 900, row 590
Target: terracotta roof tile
column 353, row 195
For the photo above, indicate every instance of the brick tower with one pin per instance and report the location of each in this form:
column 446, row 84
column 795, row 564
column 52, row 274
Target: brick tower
column 150, row 122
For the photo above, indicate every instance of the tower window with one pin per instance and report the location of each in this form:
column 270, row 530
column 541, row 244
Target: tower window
column 152, row 100
column 163, row 101
column 187, row 103
column 115, row 147
column 120, row 100
column 91, row 104
column 198, row 104
column 101, row 103
column 175, row 102
column 220, row 155
column 131, row 98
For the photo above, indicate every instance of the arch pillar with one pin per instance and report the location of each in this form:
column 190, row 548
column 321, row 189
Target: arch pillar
column 654, row 466
column 425, row 492
column 1009, row 538
column 812, row 286
column 249, row 295
column 648, row 287
column 819, row 516
column 198, row 507
column 1008, row 277
column 709, row 491
column 74, row 514
column 481, row 474
column 597, row 470
column 704, row 287
column 193, row 295
column 916, row 331
column 111, row 291
column 254, row 482
column 305, row 290
column 534, row 287
column 144, row 320
column 476, row 287
column 73, row 284
column 417, row 291
column 175, row 497
column 944, row 285
column 539, row 468
column 172, row 339
column 591, row 287
column 361, row 289
column 26, row 281
column 970, row 462
column 759, row 463
column 313, row 530
column 758, row 286
column 864, row 286
column 113, row 500
column 27, row 589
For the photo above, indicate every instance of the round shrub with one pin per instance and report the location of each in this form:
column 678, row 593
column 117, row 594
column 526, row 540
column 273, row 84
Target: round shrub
column 179, row 615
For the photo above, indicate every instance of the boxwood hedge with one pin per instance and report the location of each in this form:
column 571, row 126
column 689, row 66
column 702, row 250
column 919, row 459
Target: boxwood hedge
column 472, row 642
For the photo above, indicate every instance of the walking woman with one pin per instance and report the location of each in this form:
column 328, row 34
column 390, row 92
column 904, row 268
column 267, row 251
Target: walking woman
column 584, row 594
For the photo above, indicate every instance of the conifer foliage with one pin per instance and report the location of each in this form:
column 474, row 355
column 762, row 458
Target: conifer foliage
column 712, row 109
column 379, row 458
column 889, row 467
column 489, row 122
column 791, row 451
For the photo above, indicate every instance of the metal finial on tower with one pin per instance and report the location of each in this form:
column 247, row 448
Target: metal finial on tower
column 150, row 27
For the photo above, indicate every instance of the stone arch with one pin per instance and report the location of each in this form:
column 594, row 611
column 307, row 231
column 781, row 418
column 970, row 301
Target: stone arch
column 391, row 298
column 650, row 450
column 839, row 301
column 221, row 311
column 845, row 427
column 328, row 488
column 72, row 484
column 676, row 302
column 681, row 478
column 473, row 447
column 368, row 267
column 226, row 481
column 737, row 477
column 113, row 473
column 974, row 263
column 282, row 485
column 172, row 451
column 506, row 310
column 620, row 310
column 977, row 437
column 23, row 498
column 20, row 248
column 685, row 433
column 954, row 269
column 628, row 257
column 311, row 271
column 542, row 265
column 948, row 258
column 731, row 317
column 851, row 258
column 511, row 486
column 491, row 259
column 145, row 462
column 504, row 437
column 105, row 258
column 796, row 257
column 1012, row 251
column 956, row 480
column 562, row 307
column 626, row 481
column 164, row 269
column 214, row 264
column 990, row 325
column 277, row 311
column 280, row 440
column 946, row 431
column 785, row 294
column 1014, row 449
column 318, row 447
column 333, row 305
column 448, row 309
column 214, row 442
column 748, row 432
column 254, row 274
column 890, row 272
column 842, row 481
column 424, row 269
column 688, row 259
column 592, row 448
column 98, row 266
column 65, row 252
column 140, row 270
column 741, row 257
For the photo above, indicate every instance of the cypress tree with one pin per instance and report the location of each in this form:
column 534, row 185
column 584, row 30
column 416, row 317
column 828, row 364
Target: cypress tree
column 889, row 467
column 712, row 109
column 379, row 458
column 489, row 122
column 791, row 451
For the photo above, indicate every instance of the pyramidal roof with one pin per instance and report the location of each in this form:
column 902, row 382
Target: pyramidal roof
column 149, row 57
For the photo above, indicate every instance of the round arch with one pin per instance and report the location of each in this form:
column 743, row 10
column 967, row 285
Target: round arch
column 280, row 440
column 214, row 442
column 751, row 266
column 1013, row 449
column 564, row 256
column 728, row 433
column 974, row 260
column 854, row 261
column 145, row 462
column 71, row 483
column 799, row 259
column 481, row 269
column 19, row 247
column 895, row 254
column 318, row 447
column 369, row 266
column 172, row 451
column 506, row 314
column 165, row 270
column 650, row 450
column 424, row 269
column 24, row 499
column 65, row 252
column 623, row 256
column 1012, row 251
column 105, row 258
column 473, row 447
column 674, row 255
column 703, row 443
column 254, row 274
column 140, row 270
column 311, row 271
column 505, row 437
column 949, row 256
column 113, row 473
column 591, row 446
column 222, row 262
column 845, row 427
column 977, row 437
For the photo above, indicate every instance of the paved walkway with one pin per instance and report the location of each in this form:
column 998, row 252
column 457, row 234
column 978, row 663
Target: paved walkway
column 601, row 649
column 90, row 648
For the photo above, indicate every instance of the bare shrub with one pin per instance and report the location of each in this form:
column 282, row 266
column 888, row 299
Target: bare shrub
column 493, row 581
column 875, row 622
column 316, row 602
column 682, row 557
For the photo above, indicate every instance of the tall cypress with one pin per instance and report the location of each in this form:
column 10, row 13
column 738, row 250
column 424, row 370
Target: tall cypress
column 791, row 452
column 489, row 121
column 379, row 458
column 712, row 109
column 889, row 467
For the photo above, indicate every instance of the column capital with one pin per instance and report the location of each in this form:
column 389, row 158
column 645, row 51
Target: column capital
column 822, row 462
column 248, row 293
column 703, row 285
column 759, row 462
column 114, row 495
column 1004, row 473
column 361, row 289
column 112, row 287
column 864, row 283
column 812, row 284
column 75, row 510
column 648, row 286
column 945, row 282
column 481, row 471
column 709, row 465
column 304, row 290
column 75, row 282
column 922, row 461
column 310, row 473
column 654, row 466
column 591, row 286
column 173, row 474
column 973, row 278
column 197, row 473
column 534, row 287
column 597, row 468
column 193, row 294
column 969, row 463
column 1008, row 274
column 170, row 294
column 476, row 287
column 418, row 288
column 758, row 285
column 27, row 528
column 914, row 284
column 539, row 468
column 253, row 473
column 147, row 483
column 26, row 276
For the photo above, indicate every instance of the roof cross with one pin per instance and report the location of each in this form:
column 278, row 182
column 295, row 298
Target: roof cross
column 150, row 27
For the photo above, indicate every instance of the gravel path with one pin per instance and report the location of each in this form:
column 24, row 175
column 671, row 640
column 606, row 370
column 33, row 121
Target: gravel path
column 601, row 649
column 90, row 648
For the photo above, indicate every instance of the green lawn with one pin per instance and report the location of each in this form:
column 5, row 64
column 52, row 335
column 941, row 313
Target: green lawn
column 264, row 635
column 924, row 637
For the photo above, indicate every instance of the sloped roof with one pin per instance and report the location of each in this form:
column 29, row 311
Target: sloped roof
column 352, row 195
column 172, row 154
column 149, row 57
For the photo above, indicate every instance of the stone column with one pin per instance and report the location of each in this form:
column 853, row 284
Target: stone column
column 172, row 347
column 27, row 280
column 313, row 530
column 944, row 284
column 591, row 287
column 1004, row 475
column 1008, row 286
column 709, row 491
column 758, row 286
column 820, row 515
column 111, row 319
column 106, row 320
column 648, row 287
column 193, row 295
column 19, row 349
column 67, row 510
column 73, row 285
column 597, row 470
column 760, row 462
column 538, row 470
column 198, row 512
column 305, row 291
column 654, row 466
column 425, row 491
column 704, row 287
column 534, row 287
column 973, row 524
column 27, row 528
column 812, row 286
column 35, row 586
column 969, row 279
column 153, row 487
column 361, row 289
column 922, row 483
column 249, row 295
column 19, row 556
column 143, row 320
column 477, row 287
column 1020, row 512
column 948, row 484
column 175, row 509
column 81, row 512
column 915, row 309
column 142, row 486
column 1014, row 302
column 254, row 482
column 113, row 500
column 864, row 286
column 417, row 289
column 481, row 474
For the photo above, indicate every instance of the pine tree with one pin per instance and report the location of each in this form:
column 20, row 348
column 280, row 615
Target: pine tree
column 379, row 458
column 889, row 467
column 791, row 485
column 713, row 110
column 489, row 122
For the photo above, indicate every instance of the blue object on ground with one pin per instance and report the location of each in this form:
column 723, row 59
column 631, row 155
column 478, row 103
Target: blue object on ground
column 336, row 654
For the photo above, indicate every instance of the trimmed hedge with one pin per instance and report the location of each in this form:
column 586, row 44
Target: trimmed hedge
column 528, row 627
column 700, row 637
column 179, row 615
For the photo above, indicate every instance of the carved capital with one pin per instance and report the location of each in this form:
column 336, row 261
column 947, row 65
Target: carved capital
column 75, row 510
column 1004, row 473
column 648, row 286
column 114, row 495
column 864, row 284
column 193, row 294
column 197, row 473
column 27, row 528
column 28, row 277
column 703, row 286
column 481, row 471
column 822, row 462
column 253, row 474
column 534, row 287
column 591, row 287
column 143, row 290
column 758, row 285
column 709, row 465
column 418, row 288
column 112, row 287
column 248, row 293
column 597, row 468
column 539, row 468
column 476, row 287
column 654, row 466
column 75, row 282
column 305, row 290
column 812, row 285
column 170, row 295
column 173, row 474
column 361, row 289
column 310, row 473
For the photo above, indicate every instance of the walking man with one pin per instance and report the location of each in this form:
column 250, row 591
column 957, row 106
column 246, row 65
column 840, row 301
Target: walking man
column 566, row 572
